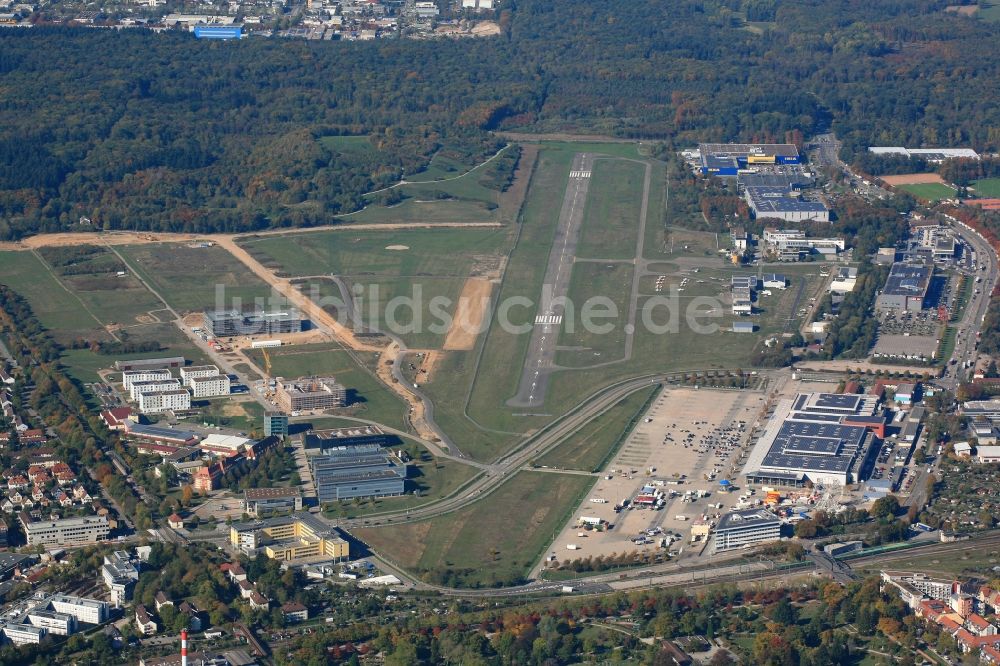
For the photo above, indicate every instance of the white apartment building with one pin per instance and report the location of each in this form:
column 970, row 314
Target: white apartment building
column 138, row 388
column 86, row 529
column 209, row 387
column 54, row 622
column 163, row 401
column 187, row 374
column 120, row 575
column 131, row 376
column 89, row 611
column 24, row 634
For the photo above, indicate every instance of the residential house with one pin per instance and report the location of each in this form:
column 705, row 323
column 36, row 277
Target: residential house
column 143, row 622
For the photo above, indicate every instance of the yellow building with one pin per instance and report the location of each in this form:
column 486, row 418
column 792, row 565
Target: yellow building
column 290, row 538
column 760, row 158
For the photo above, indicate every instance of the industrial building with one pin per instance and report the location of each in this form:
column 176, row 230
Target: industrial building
column 934, row 155
column 726, row 159
column 335, row 438
column 792, row 244
column 210, row 387
column 120, row 574
column 161, row 434
column 275, row 424
column 784, row 203
column 823, row 438
column 300, row 536
column 310, row 393
column 151, row 363
column 264, row 502
column 65, row 531
column 844, row 281
column 905, row 289
column 775, row 281
column 218, row 31
column 229, row 323
column 224, row 445
column 744, row 327
column 742, row 529
column 363, row 470
column 165, row 401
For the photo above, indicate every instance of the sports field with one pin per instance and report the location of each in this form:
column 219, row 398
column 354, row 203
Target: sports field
column 929, row 191
column 987, row 188
column 367, row 397
column 192, row 278
column 484, row 545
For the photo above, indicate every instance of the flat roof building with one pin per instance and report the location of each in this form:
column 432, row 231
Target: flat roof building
column 310, row 393
column 164, row 401
column 66, row 531
column 929, row 154
column 783, row 203
column 150, row 363
column 88, row 611
column 161, row 434
column 726, row 159
column 356, row 471
column 136, row 389
column 210, row 387
column 264, row 502
column 742, row 529
column 275, row 424
column 190, row 372
column 825, row 438
column 905, row 288
column 293, row 538
column 120, row 574
column 229, row 323
column 335, row 438
column 131, row 376
column 224, row 445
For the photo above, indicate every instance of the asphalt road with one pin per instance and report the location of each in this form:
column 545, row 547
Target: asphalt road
column 540, row 360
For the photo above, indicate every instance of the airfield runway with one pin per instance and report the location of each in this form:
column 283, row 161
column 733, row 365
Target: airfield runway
column 548, row 320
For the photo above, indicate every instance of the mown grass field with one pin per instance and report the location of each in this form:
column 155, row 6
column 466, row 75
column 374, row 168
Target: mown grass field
column 192, row 279
column 59, row 309
column 591, row 446
column 602, row 288
column 988, row 188
column 614, row 202
column 929, row 191
column 367, row 397
column 484, row 544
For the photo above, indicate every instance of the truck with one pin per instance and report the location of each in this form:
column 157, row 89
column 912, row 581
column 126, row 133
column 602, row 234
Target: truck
column 680, row 517
column 572, row 546
column 568, row 589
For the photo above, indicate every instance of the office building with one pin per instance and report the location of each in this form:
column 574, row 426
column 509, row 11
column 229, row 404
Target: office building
column 742, row 529
column 291, row 538
column 792, row 244
column 189, row 373
column 264, row 502
column 275, row 424
column 24, row 633
column 356, row 471
column 823, row 438
column 87, row 611
column 229, row 323
column 210, row 387
column 131, row 376
column 905, row 289
column 336, row 438
column 66, row 531
column 58, row 624
column 310, row 393
column 165, row 401
column 120, row 573
column 138, row 388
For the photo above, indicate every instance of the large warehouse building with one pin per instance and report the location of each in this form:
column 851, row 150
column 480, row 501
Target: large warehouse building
column 229, row 323
column 784, row 203
column 365, row 470
column 825, row 438
column 930, row 154
column 905, row 288
column 726, row 159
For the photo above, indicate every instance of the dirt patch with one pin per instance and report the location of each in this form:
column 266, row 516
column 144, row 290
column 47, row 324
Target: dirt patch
column 233, row 409
column 912, row 179
column 428, row 364
column 964, row 10
column 146, row 319
column 468, row 322
column 397, row 248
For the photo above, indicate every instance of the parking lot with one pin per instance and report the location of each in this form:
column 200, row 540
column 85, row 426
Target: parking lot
column 666, row 474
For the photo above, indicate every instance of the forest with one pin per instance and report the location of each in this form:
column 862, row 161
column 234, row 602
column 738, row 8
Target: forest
column 135, row 130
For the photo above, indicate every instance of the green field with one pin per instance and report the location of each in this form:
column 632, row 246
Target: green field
column 929, row 191
column 596, row 286
column 988, row 188
column 367, row 397
column 432, row 252
column 591, row 446
column 192, row 278
column 989, row 12
column 614, row 203
column 349, row 145
column 481, row 545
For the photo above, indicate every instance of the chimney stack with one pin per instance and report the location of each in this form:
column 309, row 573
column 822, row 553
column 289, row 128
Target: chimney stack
column 184, row 647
